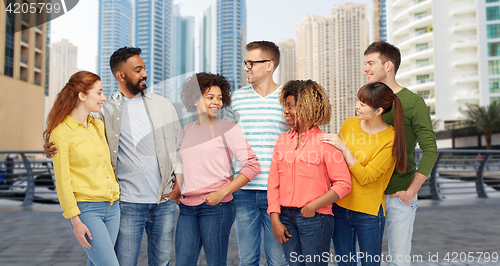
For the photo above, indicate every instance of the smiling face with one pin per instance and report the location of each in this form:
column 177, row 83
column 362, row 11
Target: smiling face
column 374, row 68
column 366, row 112
column 210, row 102
column 259, row 70
column 135, row 75
column 290, row 110
column 94, row 98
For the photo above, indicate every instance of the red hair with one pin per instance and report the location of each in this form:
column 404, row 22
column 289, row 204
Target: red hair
column 377, row 95
column 67, row 98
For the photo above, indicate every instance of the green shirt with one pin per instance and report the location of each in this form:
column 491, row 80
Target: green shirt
column 418, row 128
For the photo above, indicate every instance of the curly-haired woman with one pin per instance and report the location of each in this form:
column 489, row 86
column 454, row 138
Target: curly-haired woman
column 209, row 144
column 306, row 176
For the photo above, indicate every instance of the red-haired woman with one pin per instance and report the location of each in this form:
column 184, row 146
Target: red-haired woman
column 86, row 185
column 371, row 149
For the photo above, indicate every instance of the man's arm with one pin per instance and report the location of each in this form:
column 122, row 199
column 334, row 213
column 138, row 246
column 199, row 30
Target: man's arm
column 422, row 127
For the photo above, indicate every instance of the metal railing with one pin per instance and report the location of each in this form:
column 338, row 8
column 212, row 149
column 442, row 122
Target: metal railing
column 462, row 172
column 26, row 176
column 29, row 176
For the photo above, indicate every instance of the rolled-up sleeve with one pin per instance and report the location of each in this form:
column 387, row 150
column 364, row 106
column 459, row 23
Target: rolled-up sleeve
column 273, row 184
column 338, row 171
column 62, row 175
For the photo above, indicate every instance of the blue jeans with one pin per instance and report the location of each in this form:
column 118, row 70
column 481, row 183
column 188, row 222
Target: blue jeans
column 102, row 220
column 251, row 217
column 367, row 229
column 158, row 220
column 400, row 218
column 310, row 240
column 207, row 226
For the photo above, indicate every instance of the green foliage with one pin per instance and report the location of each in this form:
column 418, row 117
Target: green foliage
column 486, row 119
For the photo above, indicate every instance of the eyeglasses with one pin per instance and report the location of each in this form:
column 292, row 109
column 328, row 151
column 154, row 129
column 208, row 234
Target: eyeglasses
column 249, row 64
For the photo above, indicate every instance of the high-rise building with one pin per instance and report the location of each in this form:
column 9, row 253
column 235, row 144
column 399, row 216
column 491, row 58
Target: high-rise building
column 208, row 39
column 287, row 70
column 380, row 20
column 330, row 51
column 115, row 31
column 183, row 47
column 488, row 36
column 448, row 58
column 153, row 34
column 23, row 67
column 231, row 40
column 63, row 59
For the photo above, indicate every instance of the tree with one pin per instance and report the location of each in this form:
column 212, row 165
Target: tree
column 486, row 119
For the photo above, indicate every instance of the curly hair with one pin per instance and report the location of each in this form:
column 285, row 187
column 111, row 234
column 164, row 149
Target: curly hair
column 312, row 105
column 121, row 56
column 198, row 84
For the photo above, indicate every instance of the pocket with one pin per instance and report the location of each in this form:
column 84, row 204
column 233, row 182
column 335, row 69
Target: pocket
column 307, row 167
column 280, row 163
column 413, row 203
column 83, row 205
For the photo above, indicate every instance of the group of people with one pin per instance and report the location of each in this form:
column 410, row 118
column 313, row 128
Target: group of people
column 255, row 157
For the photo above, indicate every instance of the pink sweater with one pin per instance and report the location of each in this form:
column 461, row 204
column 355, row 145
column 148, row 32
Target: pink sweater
column 206, row 153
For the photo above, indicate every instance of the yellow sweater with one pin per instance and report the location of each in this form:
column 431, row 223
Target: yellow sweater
column 82, row 165
column 371, row 174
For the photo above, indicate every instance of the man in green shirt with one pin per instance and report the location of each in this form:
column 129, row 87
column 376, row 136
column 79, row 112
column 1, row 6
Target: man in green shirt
column 382, row 61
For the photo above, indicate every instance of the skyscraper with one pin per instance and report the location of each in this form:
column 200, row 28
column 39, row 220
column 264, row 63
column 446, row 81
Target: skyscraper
column 231, row 40
column 183, row 44
column 23, row 67
column 380, row 20
column 349, row 39
column 448, row 53
column 63, row 59
column 153, row 34
column 287, row 70
column 330, row 51
column 115, row 31
column 208, row 39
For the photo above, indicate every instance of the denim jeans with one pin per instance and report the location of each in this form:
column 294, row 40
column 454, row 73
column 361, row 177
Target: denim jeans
column 158, row 220
column 352, row 226
column 207, row 226
column 251, row 217
column 102, row 220
column 310, row 240
column 400, row 218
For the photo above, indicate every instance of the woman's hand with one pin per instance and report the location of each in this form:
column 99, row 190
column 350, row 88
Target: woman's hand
column 307, row 211
column 214, row 198
column 81, row 230
column 333, row 140
column 279, row 229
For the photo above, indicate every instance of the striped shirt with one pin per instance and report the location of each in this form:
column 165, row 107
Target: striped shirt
column 261, row 121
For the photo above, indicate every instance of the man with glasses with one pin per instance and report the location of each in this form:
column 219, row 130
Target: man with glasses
column 257, row 111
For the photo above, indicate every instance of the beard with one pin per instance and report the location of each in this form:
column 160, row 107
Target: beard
column 135, row 88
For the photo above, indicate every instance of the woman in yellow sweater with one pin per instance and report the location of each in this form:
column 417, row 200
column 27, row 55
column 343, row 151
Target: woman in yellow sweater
column 86, row 185
column 371, row 149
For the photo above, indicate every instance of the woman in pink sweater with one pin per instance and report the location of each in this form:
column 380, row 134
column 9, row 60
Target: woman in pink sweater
column 206, row 210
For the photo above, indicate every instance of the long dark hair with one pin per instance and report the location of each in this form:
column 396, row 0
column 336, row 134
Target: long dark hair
column 376, row 95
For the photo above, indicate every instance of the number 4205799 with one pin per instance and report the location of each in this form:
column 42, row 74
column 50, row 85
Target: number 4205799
column 25, row 8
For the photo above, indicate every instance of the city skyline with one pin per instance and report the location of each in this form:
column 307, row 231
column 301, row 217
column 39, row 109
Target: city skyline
column 282, row 15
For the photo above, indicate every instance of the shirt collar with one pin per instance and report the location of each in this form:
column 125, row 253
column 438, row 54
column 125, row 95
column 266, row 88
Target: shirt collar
column 73, row 124
column 118, row 95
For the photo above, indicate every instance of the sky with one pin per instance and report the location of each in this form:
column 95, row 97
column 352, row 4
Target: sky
column 272, row 20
